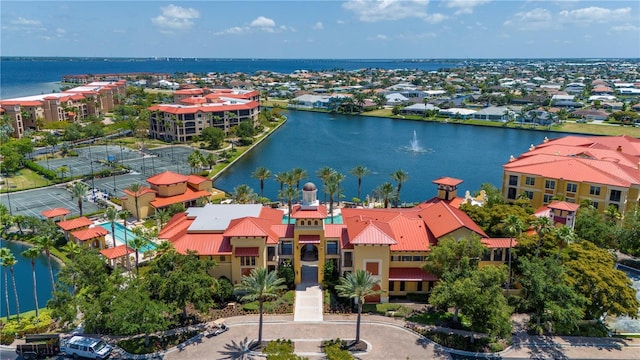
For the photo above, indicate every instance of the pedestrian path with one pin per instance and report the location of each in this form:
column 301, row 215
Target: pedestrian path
column 308, row 306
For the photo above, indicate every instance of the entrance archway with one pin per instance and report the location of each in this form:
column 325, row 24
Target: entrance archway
column 309, row 252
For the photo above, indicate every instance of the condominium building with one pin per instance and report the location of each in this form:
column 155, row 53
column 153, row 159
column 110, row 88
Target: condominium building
column 197, row 109
column 31, row 112
column 602, row 169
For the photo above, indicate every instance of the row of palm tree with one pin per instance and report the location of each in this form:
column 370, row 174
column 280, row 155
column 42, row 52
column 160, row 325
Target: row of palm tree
column 197, row 160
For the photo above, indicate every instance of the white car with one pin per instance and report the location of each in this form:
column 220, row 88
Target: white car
column 85, row 347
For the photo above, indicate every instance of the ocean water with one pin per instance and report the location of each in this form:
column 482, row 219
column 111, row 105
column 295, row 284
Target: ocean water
column 22, row 77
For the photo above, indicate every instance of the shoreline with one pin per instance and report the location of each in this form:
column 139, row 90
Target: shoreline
column 30, row 245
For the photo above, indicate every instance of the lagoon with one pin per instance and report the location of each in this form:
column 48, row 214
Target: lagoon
column 311, row 140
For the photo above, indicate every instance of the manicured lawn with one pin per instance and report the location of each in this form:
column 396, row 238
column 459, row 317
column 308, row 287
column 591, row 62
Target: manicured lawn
column 600, row 129
column 25, row 179
column 439, row 318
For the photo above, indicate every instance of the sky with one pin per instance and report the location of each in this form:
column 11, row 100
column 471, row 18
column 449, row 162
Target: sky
column 353, row 29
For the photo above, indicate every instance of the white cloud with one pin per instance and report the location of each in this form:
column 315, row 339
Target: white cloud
column 625, row 27
column 26, row 22
column 537, row 18
column 260, row 23
column 381, row 37
column 372, row 11
column 60, row 32
column 175, row 18
column 465, row 6
column 318, row 26
column 594, row 14
column 435, row 18
column 263, row 22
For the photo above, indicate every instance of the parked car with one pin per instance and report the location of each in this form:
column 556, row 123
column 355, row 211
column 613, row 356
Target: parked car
column 85, row 347
column 217, row 328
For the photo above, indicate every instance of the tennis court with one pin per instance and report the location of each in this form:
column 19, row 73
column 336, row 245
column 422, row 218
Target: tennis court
column 114, row 185
column 33, row 202
column 76, row 165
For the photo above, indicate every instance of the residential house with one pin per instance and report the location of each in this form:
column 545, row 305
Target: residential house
column 494, row 113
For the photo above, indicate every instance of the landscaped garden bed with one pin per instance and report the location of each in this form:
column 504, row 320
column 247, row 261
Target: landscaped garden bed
column 461, row 342
column 137, row 345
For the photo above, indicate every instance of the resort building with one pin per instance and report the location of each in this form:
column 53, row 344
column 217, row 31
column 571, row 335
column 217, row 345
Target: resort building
column 166, row 189
column 31, row 112
column 391, row 244
column 81, row 231
column 197, row 109
column 604, row 170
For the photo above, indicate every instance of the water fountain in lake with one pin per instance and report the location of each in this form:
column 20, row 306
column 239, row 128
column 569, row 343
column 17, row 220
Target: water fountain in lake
column 414, row 145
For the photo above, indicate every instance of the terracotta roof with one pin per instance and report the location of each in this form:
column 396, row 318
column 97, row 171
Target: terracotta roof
column 189, row 195
column 55, row 212
column 334, row 230
column 90, row 233
column 447, row 181
column 143, row 190
column 204, row 244
column 116, row 252
column 371, row 235
column 443, row 219
column 196, row 179
column 563, row 205
column 298, row 213
column 309, row 239
column 245, row 251
column 208, row 107
column 76, row 223
column 176, row 227
column 410, row 274
column 283, row 230
column 495, row 243
column 167, row 178
column 252, row 226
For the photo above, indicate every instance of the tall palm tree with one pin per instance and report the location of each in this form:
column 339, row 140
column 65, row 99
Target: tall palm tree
column 141, row 240
column 338, row 178
column 359, row 172
column 9, row 260
column 299, row 174
column 399, row 176
column 79, row 190
column 262, row 174
column 124, row 215
column 135, row 189
column 4, row 255
column 289, row 193
column 111, row 214
column 331, row 188
column 195, row 160
column 543, row 227
column 211, row 159
column 358, row 285
column 281, row 178
column 162, row 216
column 565, row 237
column 163, row 247
column 261, row 285
column 385, row 191
column 32, row 254
column 243, row 194
column 323, row 173
column 514, row 227
column 46, row 243
column 72, row 249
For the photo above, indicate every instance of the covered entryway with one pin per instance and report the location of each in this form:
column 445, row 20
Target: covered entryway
column 309, row 252
column 309, row 273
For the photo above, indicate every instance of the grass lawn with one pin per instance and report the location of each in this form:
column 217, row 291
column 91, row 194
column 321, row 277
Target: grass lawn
column 25, row 314
column 438, row 318
column 25, row 179
column 600, row 129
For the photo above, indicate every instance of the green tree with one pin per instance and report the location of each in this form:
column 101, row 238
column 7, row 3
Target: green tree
column 46, row 243
column 261, row 285
column 124, row 215
column 543, row 227
column 331, row 188
column 142, row 238
column 400, row 177
column 298, row 174
column 590, row 225
column 514, row 227
column 72, row 249
column 214, row 136
column 261, row 174
column 111, row 214
column 358, row 285
column 454, row 257
column 243, row 194
column 323, row 173
column 8, row 260
column 385, row 191
column 162, row 217
column 135, row 189
column 628, row 235
column 195, row 160
column 289, row 193
column 359, row 172
column 79, row 190
column 32, row 254
column 62, row 170
column 281, row 178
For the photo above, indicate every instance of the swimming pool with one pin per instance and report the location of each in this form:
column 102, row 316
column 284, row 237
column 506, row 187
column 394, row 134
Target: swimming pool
column 119, row 235
column 337, row 219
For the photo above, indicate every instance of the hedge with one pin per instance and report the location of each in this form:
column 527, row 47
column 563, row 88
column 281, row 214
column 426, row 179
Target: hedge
column 47, row 173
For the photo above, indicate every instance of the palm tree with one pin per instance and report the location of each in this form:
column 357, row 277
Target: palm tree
column 261, row 285
column 5, row 253
column 323, row 173
column 289, row 193
column 9, row 260
column 72, row 249
column 162, row 216
column 358, row 285
column 163, row 247
column 135, row 189
column 359, row 172
column 400, row 177
column 46, row 243
column 331, row 188
column 262, row 174
column 32, row 253
column 514, row 227
column 124, row 215
column 243, row 194
column 141, row 240
column 211, row 160
column 565, row 237
column 62, row 170
column 385, row 191
column 111, row 214
column 281, row 178
column 79, row 190
column 543, row 227
column 298, row 174
column 339, row 178
column 195, row 160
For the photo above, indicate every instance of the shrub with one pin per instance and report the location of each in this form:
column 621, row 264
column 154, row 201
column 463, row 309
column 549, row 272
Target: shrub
column 28, row 325
column 49, row 174
column 252, row 306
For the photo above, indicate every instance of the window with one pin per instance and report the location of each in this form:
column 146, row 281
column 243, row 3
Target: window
column 486, row 255
column 511, row 193
column 549, row 184
column 247, row 261
column 547, row 198
column 395, row 258
column 286, row 248
column 271, row 253
column 513, row 180
column 402, row 285
column 594, row 190
column 595, row 204
column 332, row 247
column 348, row 259
column 406, row 258
column 572, row 187
column 419, row 286
column 391, row 283
column 417, row 258
column 615, row 195
column 497, row 254
column 372, row 267
column 531, row 181
column 529, row 194
column 223, row 258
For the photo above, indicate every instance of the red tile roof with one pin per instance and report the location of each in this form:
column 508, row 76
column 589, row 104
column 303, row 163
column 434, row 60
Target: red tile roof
column 116, row 252
column 189, row 195
column 252, row 227
column 245, row 251
column 298, row 213
column 448, row 181
column 309, row 239
column 204, row 244
column 90, row 233
column 167, row 178
column 334, row 230
column 176, row 227
column 370, row 234
column 196, row 179
column 495, row 243
column 55, row 212
column 283, row 230
column 442, row 219
column 563, row 205
column 76, row 223
column 143, row 190
column 410, row 274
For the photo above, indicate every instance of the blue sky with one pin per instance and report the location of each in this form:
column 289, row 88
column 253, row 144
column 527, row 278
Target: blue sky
column 321, row 29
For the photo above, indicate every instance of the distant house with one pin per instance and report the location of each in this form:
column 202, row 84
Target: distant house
column 540, row 117
column 418, row 109
column 590, row 114
column 568, row 104
column 309, row 101
column 396, row 98
column 494, row 113
column 458, row 113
